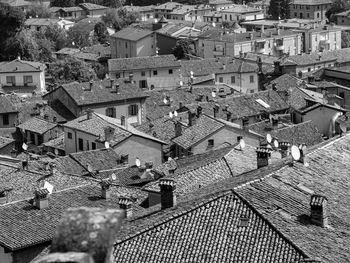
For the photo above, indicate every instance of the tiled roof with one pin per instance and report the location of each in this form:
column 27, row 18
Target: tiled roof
column 5, row 141
column 221, row 228
column 37, row 125
column 22, row 225
column 101, row 92
column 57, row 143
column 71, row 9
column 21, row 66
column 317, row 105
column 40, row 21
column 97, row 159
column 132, row 34
column 240, row 9
column 6, row 106
column 311, row 2
column 90, row 6
column 133, row 8
column 345, row 13
column 99, row 49
column 204, row 127
column 167, row 6
column 136, row 63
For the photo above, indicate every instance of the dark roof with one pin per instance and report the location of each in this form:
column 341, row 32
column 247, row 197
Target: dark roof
column 37, row 125
column 5, row 141
column 6, row 106
column 220, row 228
column 317, row 105
column 99, row 49
column 90, row 6
column 132, row 34
column 18, row 65
column 204, row 127
column 101, row 92
column 136, row 63
column 57, row 143
column 22, row 225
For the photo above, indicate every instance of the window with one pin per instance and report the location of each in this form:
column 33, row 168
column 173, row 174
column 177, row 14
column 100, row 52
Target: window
column 309, row 69
column 5, row 119
column 295, row 14
column 307, row 7
column 170, row 71
column 93, row 146
column 307, row 15
column 155, row 72
column 329, row 65
column 143, row 84
column 143, row 73
column 251, row 78
column 126, row 44
column 221, row 79
column 32, row 137
column 87, row 145
column 81, row 144
column 69, row 135
column 342, row 94
column 27, row 79
column 210, row 143
column 11, row 80
column 124, row 159
column 111, row 112
column 133, row 110
column 239, row 138
column 318, row 15
column 233, row 79
column 40, row 139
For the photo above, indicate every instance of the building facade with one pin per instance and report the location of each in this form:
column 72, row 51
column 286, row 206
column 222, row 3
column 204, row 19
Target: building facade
column 309, row 9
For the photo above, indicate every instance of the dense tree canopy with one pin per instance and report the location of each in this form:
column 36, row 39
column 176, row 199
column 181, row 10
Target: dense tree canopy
column 279, row 9
column 182, row 48
column 62, row 3
column 338, row 6
column 119, row 18
column 101, row 32
column 37, row 9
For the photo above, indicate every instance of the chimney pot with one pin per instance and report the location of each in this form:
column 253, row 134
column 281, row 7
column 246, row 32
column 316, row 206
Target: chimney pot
column 89, row 114
column 125, row 203
column 178, row 129
column 112, row 83
column 122, row 120
column 318, row 205
column 199, row 111
column 167, row 195
column 109, row 133
column 90, row 85
column 105, row 189
column 191, row 118
column 228, row 116
column 41, row 198
column 284, row 149
column 263, row 155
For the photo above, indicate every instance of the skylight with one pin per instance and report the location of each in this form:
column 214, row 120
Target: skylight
column 262, row 103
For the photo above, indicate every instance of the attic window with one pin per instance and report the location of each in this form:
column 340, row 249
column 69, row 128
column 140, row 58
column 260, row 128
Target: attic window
column 262, row 103
column 243, row 222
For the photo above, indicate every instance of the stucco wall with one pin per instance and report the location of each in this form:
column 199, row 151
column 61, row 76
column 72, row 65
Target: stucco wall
column 38, row 79
column 242, row 81
column 12, row 120
column 72, row 145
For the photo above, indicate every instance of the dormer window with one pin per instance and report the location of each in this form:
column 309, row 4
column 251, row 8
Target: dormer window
column 210, row 143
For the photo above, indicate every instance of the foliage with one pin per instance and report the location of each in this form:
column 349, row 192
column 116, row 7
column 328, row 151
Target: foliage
column 182, row 48
column 338, row 6
column 101, row 32
column 11, row 22
column 38, row 10
column 62, row 3
column 119, row 18
column 279, row 9
column 100, row 70
column 71, row 69
column 80, row 35
column 345, row 39
column 56, row 35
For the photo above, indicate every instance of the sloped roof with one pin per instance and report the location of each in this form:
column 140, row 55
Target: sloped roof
column 37, row 125
column 57, row 143
column 91, row 6
column 71, row 9
column 311, row 2
column 204, row 127
column 136, row 63
column 18, row 65
column 22, row 225
column 40, row 21
column 5, row 141
column 6, row 106
column 101, row 92
column 132, row 34
column 210, row 231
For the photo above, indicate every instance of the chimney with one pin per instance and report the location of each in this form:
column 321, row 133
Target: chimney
column 263, row 155
column 105, row 189
column 274, row 121
column 125, row 204
column 191, row 118
column 117, row 88
column 216, row 110
column 277, row 67
column 262, row 29
column 90, row 85
column 251, row 36
column 228, row 116
column 109, row 133
column 199, row 111
column 178, row 129
column 318, row 215
column 122, row 120
column 41, row 199
column 131, row 77
column 270, row 34
column 259, row 62
column 89, row 114
column 112, row 83
column 302, row 149
column 310, row 79
column 284, row 149
column 278, row 31
column 167, row 195
column 180, row 104
column 149, row 165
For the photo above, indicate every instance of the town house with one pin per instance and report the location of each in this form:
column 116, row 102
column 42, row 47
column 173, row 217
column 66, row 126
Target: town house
column 309, row 9
column 8, row 112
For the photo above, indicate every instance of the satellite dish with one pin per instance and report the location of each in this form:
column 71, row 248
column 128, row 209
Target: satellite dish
column 242, row 144
column 89, row 168
column 171, row 115
column 107, row 145
column 269, row 138
column 191, row 72
column 24, row 146
column 137, row 162
column 295, row 152
column 113, row 177
column 214, row 25
column 175, row 113
column 56, row 151
column 169, row 159
column 343, row 127
column 165, row 101
column 275, row 143
column 181, row 83
column 48, row 186
column 213, row 94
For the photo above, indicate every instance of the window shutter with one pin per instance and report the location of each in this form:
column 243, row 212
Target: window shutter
column 114, row 112
column 130, row 109
column 136, row 109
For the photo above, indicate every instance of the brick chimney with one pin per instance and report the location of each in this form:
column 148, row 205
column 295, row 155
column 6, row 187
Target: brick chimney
column 216, row 110
column 263, row 155
column 228, row 116
column 125, row 204
column 284, row 149
column 91, row 83
column 122, row 120
column 116, row 88
column 318, row 215
column 89, row 114
column 131, row 77
column 199, row 111
column 112, row 83
column 277, row 67
column 302, row 149
column 41, row 199
column 108, row 133
column 167, row 195
column 178, row 128
column 105, row 189
column 191, row 118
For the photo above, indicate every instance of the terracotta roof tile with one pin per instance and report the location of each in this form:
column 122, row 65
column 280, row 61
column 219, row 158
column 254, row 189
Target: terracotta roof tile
column 6, row 106
column 132, row 34
column 37, row 125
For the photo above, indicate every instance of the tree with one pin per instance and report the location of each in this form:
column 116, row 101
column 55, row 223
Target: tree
column 71, row 69
column 345, row 39
column 119, row 18
column 56, row 35
column 182, row 48
column 22, row 45
column 101, row 32
column 81, row 35
column 337, row 6
column 38, row 10
column 279, row 9
column 11, row 22
column 62, row 3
